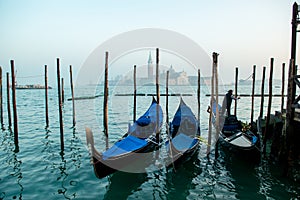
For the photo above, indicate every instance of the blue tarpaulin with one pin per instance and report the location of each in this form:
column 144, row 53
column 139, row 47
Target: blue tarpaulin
column 183, row 142
column 128, row 144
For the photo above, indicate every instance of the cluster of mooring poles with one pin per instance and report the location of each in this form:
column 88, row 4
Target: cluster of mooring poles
column 283, row 137
column 15, row 117
column 12, row 85
column 215, row 98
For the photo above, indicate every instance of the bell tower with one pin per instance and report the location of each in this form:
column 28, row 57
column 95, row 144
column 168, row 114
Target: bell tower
column 150, row 67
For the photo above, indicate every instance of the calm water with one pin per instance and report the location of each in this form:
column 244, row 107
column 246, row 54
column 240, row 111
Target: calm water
column 40, row 170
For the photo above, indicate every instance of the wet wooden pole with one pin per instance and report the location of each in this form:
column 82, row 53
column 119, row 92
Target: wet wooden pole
column 62, row 90
column 46, row 96
column 215, row 59
column 253, row 91
column 1, row 99
column 105, row 102
column 157, row 95
column 14, row 99
column 282, row 87
column 157, row 76
column 267, row 130
column 72, row 93
column 295, row 22
column 167, row 99
column 212, row 96
column 236, row 89
column 261, row 113
column 198, row 94
column 8, row 100
column 61, row 128
column 134, row 93
column 290, row 132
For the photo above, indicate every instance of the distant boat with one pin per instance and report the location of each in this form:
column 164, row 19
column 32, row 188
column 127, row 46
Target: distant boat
column 36, row 86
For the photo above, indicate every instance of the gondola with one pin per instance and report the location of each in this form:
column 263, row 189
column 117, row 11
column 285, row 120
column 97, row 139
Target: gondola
column 133, row 147
column 234, row 134
column 184, row 136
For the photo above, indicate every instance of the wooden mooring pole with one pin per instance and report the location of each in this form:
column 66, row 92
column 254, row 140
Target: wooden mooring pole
column 157, row 95
column 236, row 89
column 60, row 106
column 1, row 99
column 215, row 66
column 8, row 100
column 282, row 87
column 62, row 90
column 167, row 99
column 215, row 59
column 290, row 132
column 253, row 90
column 210, row 112
column 261, row 113
column 198, row 94
column 267, row 129
column 105, row 102
column 14, row 99
column 134, row 93
column 46, row 96
column 72, row 93
column 157, row 76
column 295, row 22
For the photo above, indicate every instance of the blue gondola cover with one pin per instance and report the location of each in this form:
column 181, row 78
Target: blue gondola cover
column 143, row 121
column 129, row 144
column 183, row 142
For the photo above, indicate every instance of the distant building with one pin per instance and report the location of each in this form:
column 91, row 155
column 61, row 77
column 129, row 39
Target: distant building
column 175, row 78
column 206, row 80
column 150, row 68
column 193, row 80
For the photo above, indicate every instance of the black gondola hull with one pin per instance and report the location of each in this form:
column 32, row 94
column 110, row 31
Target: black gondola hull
column 133, row 161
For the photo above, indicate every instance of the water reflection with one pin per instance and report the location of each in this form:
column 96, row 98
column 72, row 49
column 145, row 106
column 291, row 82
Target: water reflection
column 62, row 176
column 70, row 162
column 18, row 174
column 13, row 169
column 75, row 147
column 179, row 181
column 243, row 172
column 123, row 184
column 214, row 182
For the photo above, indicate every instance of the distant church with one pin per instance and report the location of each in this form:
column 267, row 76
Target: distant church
column 175, row 78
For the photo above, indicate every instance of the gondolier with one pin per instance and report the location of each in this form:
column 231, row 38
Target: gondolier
column 228, row 100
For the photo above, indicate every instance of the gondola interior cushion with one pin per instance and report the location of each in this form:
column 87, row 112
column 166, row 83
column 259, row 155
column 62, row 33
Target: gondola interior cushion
column 183, row 142
column 128, row 144
column 143, row 121
column 231, row 123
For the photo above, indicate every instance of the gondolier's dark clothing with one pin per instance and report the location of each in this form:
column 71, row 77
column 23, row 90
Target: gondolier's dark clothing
column 228, row 99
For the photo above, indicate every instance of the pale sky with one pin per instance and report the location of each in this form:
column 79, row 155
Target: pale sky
column 245, row 33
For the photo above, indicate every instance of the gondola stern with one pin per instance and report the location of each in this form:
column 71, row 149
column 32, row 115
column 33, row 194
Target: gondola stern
column 94, row 154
